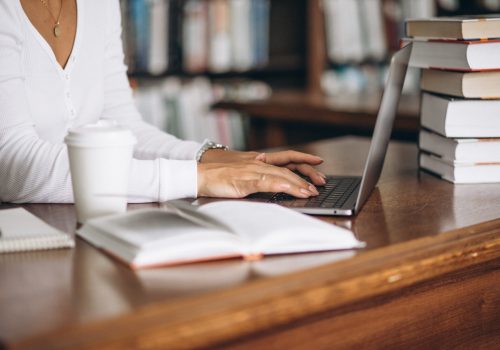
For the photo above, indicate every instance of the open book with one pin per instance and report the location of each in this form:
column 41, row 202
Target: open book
column 180, row 233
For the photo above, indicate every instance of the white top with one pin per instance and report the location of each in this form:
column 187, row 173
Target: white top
column 40, row 101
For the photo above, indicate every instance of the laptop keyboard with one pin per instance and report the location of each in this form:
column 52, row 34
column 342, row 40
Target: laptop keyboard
column 334, row 194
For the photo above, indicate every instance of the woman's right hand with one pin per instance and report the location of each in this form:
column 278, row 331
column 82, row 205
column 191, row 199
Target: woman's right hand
column 238, row 180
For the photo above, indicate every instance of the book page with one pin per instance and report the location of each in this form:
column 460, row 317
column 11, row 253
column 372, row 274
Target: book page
column 272, row 229
column 143, row 227
column 155, row 236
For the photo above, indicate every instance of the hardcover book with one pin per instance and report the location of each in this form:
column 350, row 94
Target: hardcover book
column 459, row 27
column 456, row 55
column 461, row 172
column 470, row 150
column 484, row 85
column 181, row 233
column 456, row 117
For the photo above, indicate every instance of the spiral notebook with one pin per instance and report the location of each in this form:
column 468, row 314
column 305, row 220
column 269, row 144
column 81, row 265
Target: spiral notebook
column 22, row 231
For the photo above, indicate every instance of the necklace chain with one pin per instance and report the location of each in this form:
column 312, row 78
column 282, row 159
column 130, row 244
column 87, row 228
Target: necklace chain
column 57, row 29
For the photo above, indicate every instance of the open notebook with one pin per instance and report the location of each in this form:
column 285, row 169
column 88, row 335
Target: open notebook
column 181, row 233
column 22, row 231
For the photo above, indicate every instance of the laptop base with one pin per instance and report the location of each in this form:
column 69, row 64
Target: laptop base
column 337, row 197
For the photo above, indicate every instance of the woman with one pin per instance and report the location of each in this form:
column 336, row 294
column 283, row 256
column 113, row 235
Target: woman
column 61, row 66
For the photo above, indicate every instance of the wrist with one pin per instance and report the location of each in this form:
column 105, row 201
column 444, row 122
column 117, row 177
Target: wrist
column 205, row 174
column 209, row 145
column 221, row 156
column 213, row 155
column 200, row 179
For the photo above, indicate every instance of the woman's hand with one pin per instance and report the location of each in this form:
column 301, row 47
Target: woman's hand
column 238, row 180
column 297, row 161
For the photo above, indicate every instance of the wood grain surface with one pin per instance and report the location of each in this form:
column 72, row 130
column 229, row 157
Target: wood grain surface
column 428, row 277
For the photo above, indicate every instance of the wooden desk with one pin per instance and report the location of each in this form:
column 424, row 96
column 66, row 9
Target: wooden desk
column 428, row 278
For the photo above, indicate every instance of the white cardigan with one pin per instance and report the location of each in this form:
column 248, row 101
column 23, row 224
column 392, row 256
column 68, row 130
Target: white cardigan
column 40, row 101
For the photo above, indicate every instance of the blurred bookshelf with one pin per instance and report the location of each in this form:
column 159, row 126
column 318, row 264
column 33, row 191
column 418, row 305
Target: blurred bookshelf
column 293, row 117
column 277, row 72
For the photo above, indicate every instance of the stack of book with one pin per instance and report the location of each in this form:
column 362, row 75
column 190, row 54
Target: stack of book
column 460, row 112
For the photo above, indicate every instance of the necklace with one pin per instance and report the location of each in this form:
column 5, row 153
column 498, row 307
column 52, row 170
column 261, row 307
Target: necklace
column 57, row 28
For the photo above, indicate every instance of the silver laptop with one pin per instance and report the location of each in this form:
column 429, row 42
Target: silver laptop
column 345, row 195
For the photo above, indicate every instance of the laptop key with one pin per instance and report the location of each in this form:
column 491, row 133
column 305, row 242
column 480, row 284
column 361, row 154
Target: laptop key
column 333, row 194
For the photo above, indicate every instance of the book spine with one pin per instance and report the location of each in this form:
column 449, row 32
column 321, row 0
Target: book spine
column 220, row 41
column 372, row 30
column 175, row 44
column 343, row 31
column 158, row 48
column 241, row 34
column 140, row 14
column 195, row 36
column 260, row 22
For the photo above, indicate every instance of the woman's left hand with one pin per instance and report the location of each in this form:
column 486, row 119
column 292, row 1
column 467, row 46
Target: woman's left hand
column 293, row 160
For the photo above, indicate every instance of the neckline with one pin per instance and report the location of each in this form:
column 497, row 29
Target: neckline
column 45, row 45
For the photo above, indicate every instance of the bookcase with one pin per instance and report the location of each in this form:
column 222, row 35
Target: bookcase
column 294, row 115
column 281, row 65
column 284, row 66
column 298, row 110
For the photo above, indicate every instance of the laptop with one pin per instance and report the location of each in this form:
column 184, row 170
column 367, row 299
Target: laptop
column 345, row 195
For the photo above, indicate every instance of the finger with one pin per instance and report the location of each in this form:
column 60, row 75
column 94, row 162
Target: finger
column 288, row 175
column 261, row 157
column 272, row 183
column 287, row 157
column 317, row 177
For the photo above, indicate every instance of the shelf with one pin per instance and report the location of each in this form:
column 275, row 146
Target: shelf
column 352, row 111
column 279, row 66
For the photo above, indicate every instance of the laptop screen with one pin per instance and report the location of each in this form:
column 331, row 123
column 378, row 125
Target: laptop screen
column 384, row 123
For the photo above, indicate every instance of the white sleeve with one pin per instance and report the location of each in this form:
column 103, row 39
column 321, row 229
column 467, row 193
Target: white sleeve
column 34, row 170
column 175, row 176
column 119, row 104
column 31, row 170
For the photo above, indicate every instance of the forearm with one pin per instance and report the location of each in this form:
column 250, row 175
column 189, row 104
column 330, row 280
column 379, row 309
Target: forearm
column 152, row 143
column 160, row 180
column 33, row 171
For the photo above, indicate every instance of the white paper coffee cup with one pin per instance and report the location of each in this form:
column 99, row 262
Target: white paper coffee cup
column 100, row 157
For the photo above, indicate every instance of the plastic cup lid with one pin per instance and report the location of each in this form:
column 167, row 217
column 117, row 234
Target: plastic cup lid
column 101, row 134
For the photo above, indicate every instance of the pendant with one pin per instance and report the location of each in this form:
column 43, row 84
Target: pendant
column 57, row 30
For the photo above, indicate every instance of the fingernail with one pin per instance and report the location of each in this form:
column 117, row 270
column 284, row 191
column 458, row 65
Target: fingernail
column 261, row 157
column 284, row 186
column 304, row 191
column 323, row 181
column 313, row 189
column 322, row 175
